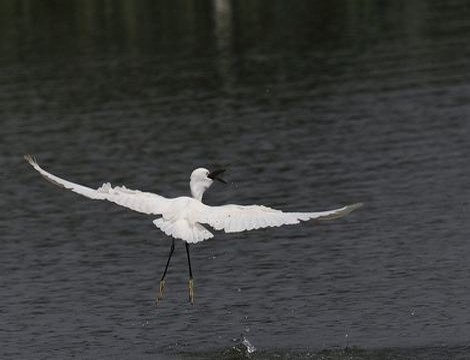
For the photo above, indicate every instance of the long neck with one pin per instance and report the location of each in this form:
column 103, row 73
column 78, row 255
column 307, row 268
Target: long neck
column 197, row 190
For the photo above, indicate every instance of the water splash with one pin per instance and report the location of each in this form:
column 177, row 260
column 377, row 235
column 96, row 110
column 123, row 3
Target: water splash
column 244, row 346
column 250, row 348
column 346, row 338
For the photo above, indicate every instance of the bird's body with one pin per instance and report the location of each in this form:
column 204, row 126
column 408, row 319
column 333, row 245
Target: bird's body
column 185, row 217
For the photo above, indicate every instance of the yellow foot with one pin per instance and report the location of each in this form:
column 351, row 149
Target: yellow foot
column 191, row 291
column 160, row 293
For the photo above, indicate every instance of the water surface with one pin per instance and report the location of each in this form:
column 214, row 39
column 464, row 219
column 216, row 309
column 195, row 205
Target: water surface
column 310, row 106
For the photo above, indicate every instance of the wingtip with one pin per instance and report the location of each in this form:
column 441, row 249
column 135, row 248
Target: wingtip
column 356, row 205
column 29, row 159
column 350, row 208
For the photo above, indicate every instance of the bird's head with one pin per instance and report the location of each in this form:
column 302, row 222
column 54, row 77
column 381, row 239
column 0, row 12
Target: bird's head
column 202, row 179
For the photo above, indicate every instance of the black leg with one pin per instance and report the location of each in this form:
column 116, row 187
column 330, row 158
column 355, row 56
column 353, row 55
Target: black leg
column 189, row 261
column 162, row 281
column 169, row 258
column 190, row 283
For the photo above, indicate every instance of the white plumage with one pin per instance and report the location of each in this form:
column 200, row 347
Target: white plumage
column 183, row 217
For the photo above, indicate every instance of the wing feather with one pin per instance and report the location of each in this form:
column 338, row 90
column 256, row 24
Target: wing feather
column 237, row 218
column 144, row 202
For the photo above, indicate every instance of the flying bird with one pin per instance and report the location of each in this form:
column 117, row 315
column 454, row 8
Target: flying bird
column 184, row 217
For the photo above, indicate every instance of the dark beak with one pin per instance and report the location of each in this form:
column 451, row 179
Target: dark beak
column 214, row 175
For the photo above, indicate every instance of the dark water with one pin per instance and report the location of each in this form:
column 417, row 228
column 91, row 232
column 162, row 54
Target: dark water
column 310, row 105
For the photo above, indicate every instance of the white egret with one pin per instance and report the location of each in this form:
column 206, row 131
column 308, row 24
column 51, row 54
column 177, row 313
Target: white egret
column 183, row 217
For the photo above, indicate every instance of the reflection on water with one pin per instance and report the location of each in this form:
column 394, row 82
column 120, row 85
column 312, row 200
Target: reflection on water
column 310, row 106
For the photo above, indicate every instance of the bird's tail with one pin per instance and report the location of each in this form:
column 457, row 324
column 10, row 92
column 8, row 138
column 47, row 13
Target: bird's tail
column 184, row 230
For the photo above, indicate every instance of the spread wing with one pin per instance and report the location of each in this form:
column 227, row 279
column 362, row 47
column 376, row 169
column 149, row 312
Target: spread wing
column 139, row 201
column 237, row 218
